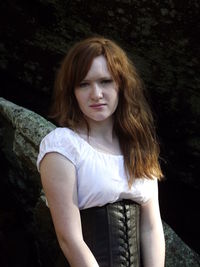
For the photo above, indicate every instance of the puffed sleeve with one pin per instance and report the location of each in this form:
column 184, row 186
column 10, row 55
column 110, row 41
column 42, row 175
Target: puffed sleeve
column 150, row 189
column 62, row 141
column 144, row 189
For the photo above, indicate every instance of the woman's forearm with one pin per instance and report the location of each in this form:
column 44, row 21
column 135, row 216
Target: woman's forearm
column 153, row 248
column 152, row 235
column 78, row 254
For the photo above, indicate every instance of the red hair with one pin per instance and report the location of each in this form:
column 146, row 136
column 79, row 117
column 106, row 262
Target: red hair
column 133, row 121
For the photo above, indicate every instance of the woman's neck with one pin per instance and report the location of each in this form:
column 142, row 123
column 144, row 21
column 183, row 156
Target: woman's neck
column 101, row 136
column 99, row 129
column 102, row 130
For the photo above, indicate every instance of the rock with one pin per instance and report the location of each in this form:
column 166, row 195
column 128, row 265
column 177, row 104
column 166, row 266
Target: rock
column 21, row 131
column 178, row 254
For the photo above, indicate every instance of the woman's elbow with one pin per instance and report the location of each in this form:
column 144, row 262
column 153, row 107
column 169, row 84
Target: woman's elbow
column 69, row 243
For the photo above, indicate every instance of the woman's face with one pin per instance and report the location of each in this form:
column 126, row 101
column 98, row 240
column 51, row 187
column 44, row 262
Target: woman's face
column 97, row 93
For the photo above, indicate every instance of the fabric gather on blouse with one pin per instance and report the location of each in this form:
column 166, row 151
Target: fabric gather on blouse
column 101, row 177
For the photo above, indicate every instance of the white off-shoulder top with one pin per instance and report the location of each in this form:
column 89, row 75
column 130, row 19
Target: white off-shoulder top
column 101, row 177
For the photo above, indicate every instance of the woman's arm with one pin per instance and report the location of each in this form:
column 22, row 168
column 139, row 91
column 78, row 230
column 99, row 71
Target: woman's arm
column 58, row 176
column 152, row 236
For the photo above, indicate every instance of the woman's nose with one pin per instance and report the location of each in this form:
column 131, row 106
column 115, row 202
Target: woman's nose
column 96, row 92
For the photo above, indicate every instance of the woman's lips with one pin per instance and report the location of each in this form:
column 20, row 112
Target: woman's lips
column 97, row 106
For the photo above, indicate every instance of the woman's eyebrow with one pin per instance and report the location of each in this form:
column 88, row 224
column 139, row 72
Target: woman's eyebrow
column 106, row 77
column 98, row 78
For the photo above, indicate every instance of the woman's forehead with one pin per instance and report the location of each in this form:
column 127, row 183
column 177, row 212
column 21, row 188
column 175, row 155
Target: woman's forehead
column 98, row 68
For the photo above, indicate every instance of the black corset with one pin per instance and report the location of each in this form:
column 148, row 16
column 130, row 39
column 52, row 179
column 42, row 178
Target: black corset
column 112, row 234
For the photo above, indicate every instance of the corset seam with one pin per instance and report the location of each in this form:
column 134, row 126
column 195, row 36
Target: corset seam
column 137, row 211
column 109, row 237
column 126, row 207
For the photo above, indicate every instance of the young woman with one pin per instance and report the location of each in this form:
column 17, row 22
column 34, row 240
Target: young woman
column 100, row 168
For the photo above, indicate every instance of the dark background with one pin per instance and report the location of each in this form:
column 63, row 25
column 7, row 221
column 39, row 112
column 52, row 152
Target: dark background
column 161, row 39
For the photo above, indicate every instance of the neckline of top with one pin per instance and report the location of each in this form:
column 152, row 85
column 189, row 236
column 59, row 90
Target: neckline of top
column 94, row 149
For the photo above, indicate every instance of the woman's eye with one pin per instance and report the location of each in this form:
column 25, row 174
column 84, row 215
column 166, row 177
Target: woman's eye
column 83, row 84
column 107, row 81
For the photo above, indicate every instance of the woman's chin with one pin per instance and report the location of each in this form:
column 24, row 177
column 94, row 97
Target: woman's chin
column 99, row 119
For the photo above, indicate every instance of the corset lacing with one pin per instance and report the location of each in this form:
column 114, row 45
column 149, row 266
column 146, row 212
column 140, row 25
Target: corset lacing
column 112, row 233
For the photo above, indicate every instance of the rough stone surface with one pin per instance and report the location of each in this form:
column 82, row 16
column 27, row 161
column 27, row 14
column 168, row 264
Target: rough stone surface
column 21, row 131
column 178, row 254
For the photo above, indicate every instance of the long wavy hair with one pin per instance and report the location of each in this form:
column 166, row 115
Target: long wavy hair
column 133, row 120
